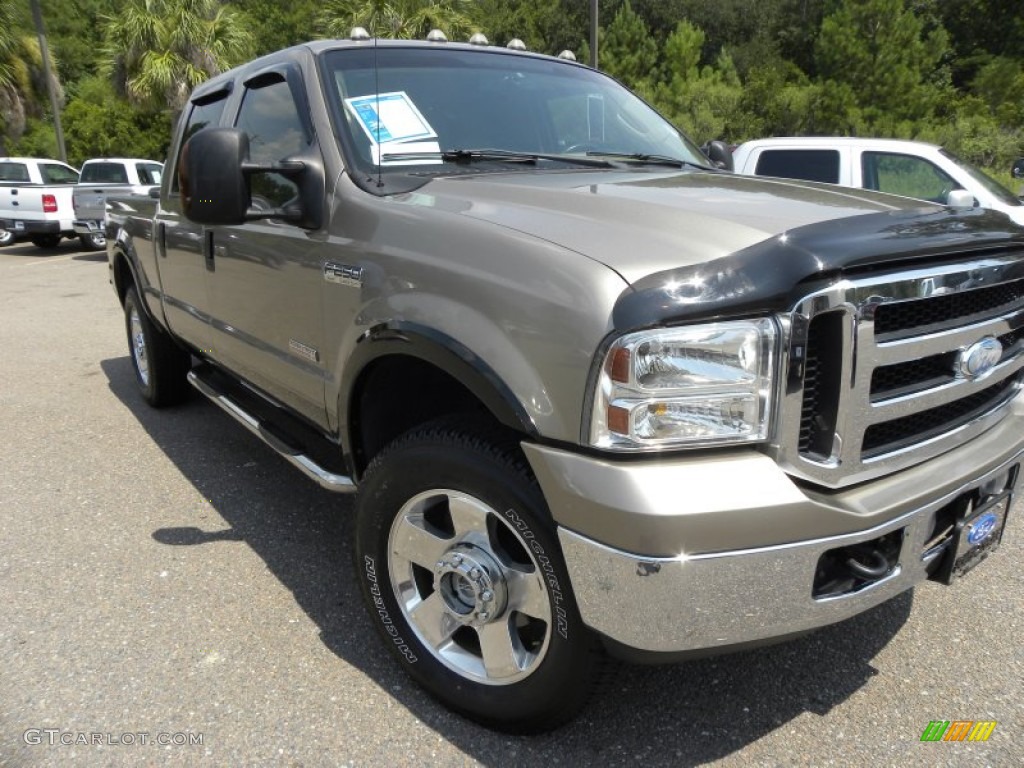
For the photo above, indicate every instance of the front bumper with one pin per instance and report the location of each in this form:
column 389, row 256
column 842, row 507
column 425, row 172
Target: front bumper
column 711, row 551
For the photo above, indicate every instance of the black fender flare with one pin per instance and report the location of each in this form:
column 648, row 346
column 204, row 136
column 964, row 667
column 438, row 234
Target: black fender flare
column 398, row 338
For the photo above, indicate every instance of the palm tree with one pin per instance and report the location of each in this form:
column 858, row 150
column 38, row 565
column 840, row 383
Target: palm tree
column 22, row 83
column 406, row 19
column 157, row 51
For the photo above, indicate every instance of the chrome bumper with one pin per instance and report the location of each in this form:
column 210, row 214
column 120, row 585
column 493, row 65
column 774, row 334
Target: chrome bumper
column 689, row 598
column 87, row 227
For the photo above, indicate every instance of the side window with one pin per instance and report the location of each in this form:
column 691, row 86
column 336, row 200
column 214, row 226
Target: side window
column 149, row 173
column 14, row 172
column 203, row 115
column 906, row 175
column 271, row 120
column 57, row 174
column 806, row 164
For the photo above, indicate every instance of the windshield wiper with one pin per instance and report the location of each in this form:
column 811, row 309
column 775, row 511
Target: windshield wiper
column 502, row 155
column 645, row 159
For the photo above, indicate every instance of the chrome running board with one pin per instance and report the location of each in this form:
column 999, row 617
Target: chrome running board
column 294, row 455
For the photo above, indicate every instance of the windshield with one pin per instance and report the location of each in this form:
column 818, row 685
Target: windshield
column 420, row 103
column 997, row 190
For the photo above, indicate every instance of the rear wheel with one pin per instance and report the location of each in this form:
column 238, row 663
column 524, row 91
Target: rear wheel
column 160, row 365
column 6, row 237
column 463, row 575
column 94, row 241
column 45, row 241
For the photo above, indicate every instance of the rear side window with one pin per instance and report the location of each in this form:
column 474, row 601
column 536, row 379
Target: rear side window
column 806, row 164
column 13, row 172
column 53, row 173
column 203, row 115
column 104, row 173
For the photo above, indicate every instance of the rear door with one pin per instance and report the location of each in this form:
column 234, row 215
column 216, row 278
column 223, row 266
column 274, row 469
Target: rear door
column 907, row 175
column 266, row 278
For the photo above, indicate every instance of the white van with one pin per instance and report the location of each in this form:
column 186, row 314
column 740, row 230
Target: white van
column 907, row 168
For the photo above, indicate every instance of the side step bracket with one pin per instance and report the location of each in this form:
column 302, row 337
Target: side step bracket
column 293, row 454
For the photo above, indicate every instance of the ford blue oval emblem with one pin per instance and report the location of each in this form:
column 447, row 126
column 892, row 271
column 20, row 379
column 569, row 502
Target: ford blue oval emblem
column 981, row 528
column 980, row 358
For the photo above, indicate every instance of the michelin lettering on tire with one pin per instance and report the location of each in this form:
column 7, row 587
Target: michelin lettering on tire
column 547, row 569
column 382, row 611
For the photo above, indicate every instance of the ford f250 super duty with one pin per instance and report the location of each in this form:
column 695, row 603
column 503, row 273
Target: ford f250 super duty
column 595, row 396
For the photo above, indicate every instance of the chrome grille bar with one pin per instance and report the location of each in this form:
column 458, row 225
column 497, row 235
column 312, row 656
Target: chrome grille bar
column 835, row 431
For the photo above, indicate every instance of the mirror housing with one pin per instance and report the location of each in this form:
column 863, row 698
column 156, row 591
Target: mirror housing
column 213, row 176
column 719, row 154
column 961, row 199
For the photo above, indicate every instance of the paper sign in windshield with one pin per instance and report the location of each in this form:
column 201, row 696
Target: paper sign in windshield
column 390, row 117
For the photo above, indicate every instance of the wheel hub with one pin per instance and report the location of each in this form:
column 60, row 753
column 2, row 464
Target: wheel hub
column 471, row 584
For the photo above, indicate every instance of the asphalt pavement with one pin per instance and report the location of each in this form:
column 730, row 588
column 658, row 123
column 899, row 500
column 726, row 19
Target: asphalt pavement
column 172, row 593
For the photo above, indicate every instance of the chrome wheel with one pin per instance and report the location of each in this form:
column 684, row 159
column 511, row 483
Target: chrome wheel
column 6, row 237
column 138, row 343
column 469, row 586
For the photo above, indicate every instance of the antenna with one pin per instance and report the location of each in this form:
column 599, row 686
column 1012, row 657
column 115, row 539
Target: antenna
column 376, row 88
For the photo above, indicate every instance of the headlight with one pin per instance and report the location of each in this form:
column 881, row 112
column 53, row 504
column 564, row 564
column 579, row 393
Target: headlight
column 694, row 385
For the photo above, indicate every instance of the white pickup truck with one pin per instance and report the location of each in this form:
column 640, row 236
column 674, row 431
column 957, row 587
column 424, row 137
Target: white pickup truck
column 35, row 200
column 907, row 168
column 100, row 177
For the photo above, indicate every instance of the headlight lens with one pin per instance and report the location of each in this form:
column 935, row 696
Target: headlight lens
column 696, row 385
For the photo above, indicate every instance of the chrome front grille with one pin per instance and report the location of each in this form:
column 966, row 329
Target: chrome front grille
column 878, row 378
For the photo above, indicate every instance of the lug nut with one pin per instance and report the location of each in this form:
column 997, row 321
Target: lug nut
column 474, row 574
column 440, row 565
column 484, row 615
column 457, row 558
column 487, row 595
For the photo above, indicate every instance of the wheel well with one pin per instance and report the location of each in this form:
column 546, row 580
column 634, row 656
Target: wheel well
column 398, row 393
column 123, row 278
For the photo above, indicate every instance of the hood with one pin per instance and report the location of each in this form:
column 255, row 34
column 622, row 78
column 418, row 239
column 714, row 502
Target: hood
column 643, row 222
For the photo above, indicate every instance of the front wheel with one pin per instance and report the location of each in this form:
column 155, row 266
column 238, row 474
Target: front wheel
column 463, row 575
column 6, row 237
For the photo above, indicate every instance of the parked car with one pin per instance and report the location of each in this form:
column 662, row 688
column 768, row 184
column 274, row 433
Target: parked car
column 595, row 395
column 909, row 168
column 101, row 177
column 1018, row 169
column 35, row 200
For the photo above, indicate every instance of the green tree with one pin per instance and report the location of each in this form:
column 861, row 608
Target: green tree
column 403, row 19
column 23, row 94
column 158, row 50
column 881, row 51
column 627, row 51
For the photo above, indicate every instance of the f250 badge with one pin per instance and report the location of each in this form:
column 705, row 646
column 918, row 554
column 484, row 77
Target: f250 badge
column 343, row 274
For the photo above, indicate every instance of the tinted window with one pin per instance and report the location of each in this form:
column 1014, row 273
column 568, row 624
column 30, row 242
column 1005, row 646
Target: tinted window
column 205, row 115
column 806, row 164
column 149, row 173
column 14, row 172
column 906, row 175
column 104, row 173
column 271, row 120
column 53, row 173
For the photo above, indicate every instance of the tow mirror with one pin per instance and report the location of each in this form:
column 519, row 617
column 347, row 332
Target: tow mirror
column 213, row 175
column 213, row 187
column 719, row 154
